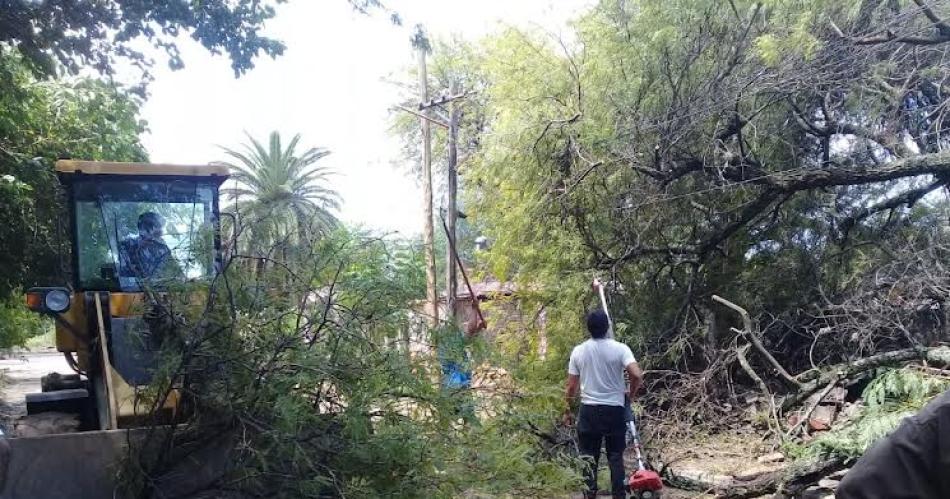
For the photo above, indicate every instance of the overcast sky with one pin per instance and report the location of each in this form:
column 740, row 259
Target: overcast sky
column 330, row 86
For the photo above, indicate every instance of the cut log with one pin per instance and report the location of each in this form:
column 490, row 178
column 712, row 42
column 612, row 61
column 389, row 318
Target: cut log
column 755, row 472
column 800, row 480
column 783, row 483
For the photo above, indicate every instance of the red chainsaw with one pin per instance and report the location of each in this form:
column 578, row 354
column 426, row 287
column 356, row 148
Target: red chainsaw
column 643, row 483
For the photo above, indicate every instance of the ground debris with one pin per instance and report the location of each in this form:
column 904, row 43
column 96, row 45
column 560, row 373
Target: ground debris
column 46, row 423
column 773, row 457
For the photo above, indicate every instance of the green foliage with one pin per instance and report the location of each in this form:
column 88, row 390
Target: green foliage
column 895, row 387
column 16, row 204
column 613, row 151
column 18, row 324
column 77, row 34
column 39, row 122
column 307, row 364
column 890, row 397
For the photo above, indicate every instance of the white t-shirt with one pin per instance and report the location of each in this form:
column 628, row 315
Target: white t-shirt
column 600, row 364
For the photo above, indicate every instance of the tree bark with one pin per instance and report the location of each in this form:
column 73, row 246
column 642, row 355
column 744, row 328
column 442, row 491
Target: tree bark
column 811, row 178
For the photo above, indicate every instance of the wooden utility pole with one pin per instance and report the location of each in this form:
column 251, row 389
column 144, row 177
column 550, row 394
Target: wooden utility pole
column 428, row 233
column 451, row 279
column 451, row 124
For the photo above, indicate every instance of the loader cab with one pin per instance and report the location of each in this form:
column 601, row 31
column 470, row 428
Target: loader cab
column 136, row 230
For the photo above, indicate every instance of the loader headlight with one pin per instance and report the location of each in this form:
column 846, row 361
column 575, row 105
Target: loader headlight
column 57, row 301
column 48, row 300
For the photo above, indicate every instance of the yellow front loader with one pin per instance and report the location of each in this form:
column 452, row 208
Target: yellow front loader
column 136, row 230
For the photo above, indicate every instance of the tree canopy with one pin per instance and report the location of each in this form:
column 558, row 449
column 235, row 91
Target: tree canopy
column 41, row 121
column 771, row 152
column 75, row 34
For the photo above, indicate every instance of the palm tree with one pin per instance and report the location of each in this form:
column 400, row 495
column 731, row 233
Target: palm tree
column 282, row 193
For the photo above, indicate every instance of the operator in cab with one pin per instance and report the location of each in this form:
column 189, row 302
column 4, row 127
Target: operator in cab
column 147, row 256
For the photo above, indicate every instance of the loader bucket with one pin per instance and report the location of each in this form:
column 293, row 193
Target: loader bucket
column 83, row 465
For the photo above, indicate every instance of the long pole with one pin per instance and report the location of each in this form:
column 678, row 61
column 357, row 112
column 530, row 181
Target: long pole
column 451, row 279
column 468, row 285
column 428, row 234
column 603, row 303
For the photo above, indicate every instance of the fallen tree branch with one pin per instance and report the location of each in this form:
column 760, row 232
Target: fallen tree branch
column 815, row 380
column 799, row 180
column 940, row 24
column 744, row 362
column 752, row 337
column 907, row 198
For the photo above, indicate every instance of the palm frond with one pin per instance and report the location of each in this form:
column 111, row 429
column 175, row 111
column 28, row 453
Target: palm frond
column 286, row 194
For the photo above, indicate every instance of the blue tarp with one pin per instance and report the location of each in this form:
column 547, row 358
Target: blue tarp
column 453, row 376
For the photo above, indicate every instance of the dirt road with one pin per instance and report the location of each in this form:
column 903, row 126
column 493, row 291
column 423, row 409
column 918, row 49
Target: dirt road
column 20, row 373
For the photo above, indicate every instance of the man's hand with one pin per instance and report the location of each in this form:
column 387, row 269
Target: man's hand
column 596, row 285
column 567, row 419
column 570, row 393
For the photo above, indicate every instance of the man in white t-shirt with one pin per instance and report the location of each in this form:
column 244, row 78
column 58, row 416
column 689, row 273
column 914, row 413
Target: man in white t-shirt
column 596, row 368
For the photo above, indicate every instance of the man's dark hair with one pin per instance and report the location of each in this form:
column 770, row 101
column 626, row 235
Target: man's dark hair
column 149, row 220
column 597, row 324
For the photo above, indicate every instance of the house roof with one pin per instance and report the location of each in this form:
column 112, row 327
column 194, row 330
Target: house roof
column 486, row 289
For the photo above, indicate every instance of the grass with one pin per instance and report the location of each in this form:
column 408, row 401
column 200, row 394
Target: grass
column 45, row 341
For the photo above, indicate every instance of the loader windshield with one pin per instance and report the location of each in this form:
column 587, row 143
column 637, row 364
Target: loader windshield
column 131, row 234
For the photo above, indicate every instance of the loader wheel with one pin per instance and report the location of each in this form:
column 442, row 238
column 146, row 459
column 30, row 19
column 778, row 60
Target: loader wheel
column 648, row 494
